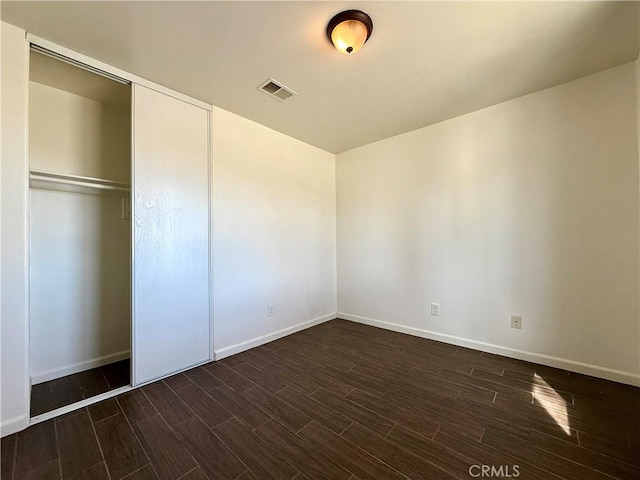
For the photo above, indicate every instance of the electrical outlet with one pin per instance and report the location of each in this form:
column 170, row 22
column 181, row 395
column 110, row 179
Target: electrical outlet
column 516, row 322
column 271, row 310
column 435, row 309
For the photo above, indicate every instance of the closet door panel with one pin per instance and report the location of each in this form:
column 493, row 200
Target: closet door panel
column 171, row 322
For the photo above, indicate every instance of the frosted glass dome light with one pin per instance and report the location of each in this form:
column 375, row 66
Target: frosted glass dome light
column 349, row 31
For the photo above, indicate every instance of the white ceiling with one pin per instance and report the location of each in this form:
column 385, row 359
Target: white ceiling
column 425, row 62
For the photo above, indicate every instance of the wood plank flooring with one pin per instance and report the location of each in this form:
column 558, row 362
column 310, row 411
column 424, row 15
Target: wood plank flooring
column 64, row 391
column 345, row 401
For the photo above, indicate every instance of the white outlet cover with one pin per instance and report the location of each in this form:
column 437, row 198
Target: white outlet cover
column 435, row 309
column 516, row 322
column 271, row 310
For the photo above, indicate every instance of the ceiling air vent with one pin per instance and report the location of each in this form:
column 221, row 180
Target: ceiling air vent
column 276, row 90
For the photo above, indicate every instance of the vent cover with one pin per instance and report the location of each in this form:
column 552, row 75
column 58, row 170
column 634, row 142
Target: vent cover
column 276, row 90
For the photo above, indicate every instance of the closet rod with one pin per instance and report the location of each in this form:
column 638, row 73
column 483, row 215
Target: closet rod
column 84, row 66
column 78, row 181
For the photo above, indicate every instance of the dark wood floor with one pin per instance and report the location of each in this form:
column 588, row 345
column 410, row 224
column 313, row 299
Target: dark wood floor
column 64, row 391
column 345, row 401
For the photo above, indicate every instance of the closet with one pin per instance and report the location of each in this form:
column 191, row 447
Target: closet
column 80, row 178
column 119, row 233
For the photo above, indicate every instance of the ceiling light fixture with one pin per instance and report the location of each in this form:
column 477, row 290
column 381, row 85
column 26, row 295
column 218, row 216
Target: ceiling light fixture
column 349, row 30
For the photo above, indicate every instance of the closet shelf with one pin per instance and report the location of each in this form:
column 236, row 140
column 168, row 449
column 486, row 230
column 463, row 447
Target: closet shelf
column 76, row 183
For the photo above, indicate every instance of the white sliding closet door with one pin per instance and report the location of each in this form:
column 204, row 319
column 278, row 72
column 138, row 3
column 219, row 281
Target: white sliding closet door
column 171, row 323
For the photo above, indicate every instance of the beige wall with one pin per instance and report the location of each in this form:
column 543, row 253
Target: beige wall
column 528, row 208
column 273, row 233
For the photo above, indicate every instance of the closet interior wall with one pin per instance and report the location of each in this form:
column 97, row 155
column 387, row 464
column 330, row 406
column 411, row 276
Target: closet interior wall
column 80, row 227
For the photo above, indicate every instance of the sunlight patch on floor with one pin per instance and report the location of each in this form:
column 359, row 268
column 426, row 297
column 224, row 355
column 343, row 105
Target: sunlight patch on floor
column 552, row 402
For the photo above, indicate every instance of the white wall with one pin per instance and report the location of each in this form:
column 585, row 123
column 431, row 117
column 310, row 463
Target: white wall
column 14, row 390
column 76, row 135
column 273, row 235
column 529, row 208
column 79, row 291
column 79, row 251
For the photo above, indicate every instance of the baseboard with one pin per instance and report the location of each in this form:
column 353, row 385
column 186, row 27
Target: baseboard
column 548, row 360
column 52, row 374
column 257, row 341
column 14, row 425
